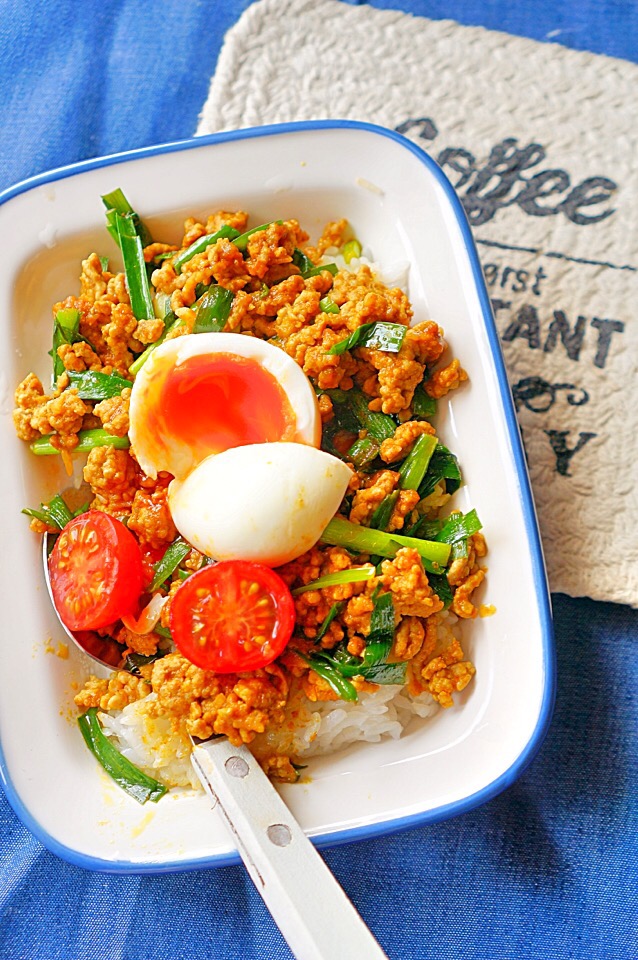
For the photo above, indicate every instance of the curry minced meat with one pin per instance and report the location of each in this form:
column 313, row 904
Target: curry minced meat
column 274, row 301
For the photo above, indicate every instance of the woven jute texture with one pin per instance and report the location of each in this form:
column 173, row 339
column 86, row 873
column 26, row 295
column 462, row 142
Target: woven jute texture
column 539, row 143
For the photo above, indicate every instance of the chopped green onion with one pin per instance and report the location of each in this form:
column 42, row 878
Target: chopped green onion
column 379, row 640
column 55, row 513
column 213, row 310
column 129, row 777
column 443, row 466
column 363, row 452
column 104, row 263
column 88, row 439
column 134, row 661
column 423, row 405
column 442, row 588
column 301, row 261
column 162, row 632
column 117, row 205
column 170, row 322
column 224, row 233
column 66, row 327
column 381, row 516
column 459, row 526
column 242, row 241
column 351, row 250
column 333, row 612
column 93, row 385
column 415, row 465
column 328, row 672
column 171, row 560
column 354, row 575
column 134, row 267
column 326, row 305
column 425, row 529
column 341, row 533
column 387, row 673
column 376, row 335
column 332, row 268
column 352, row 411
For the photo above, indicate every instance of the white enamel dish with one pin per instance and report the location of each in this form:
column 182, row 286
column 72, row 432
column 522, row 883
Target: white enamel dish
column 403, row 209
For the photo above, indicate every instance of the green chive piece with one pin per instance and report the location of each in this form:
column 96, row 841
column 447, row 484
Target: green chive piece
column 127, row 776
column 351, row 250
column 242, row 241
column 55, row 513
column 93, row 385
column 170, row 322
column 66, row 327
column 363, row 452
column 104, row 263
column 415, row 465
column 376, row 335
column 443, row 466
column 326, row 305
column 352, row 412
column 88, row 439
column 224, row 233
column 332, row 269
column 117, row 205
column 301, row 261
column 442, row 588
column 134, row 267
column 423, row 405
column 213, row 310
column 134, row 661
column 354, row 575
column 341, row 533
column 333, row 612
column 164, row 568
column 381, row 516
column 328, row 672
column 379, row 640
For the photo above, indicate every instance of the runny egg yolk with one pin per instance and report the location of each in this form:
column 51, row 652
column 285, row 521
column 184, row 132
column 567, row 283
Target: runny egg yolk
column 213, row 402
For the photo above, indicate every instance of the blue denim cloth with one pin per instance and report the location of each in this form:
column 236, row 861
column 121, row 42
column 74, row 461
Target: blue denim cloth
column 546, row 870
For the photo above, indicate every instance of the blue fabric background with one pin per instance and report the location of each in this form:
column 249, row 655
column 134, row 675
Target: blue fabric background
column 546, row 870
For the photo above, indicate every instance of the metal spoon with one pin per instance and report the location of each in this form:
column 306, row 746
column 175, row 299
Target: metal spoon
column 312, row 911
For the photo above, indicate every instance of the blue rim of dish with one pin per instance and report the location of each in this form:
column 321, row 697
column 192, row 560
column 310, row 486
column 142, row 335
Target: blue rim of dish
column 445, row 812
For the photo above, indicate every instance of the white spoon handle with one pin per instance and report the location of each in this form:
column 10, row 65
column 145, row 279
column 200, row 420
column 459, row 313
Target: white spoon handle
column 312, row 911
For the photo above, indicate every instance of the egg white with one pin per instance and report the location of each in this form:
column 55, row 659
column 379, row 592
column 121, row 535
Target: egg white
column 267, row 502
column 156, row 450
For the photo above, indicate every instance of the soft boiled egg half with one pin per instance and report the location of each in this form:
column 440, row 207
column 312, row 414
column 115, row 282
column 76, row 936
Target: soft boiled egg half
column 236, row 421
column 204, row 393
column 268, row 502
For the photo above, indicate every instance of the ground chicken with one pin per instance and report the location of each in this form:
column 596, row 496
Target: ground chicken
column 207, row 703
column 114, row 413
column 375, row 489
column 112, row 475
column 462, row 605
column 408, row 639
column 400, row 445
column 151, row 518
column 117, row 692
column 448, row 378
column 407, row 581
column 279, row 768
column 37, row 414
column 448, row 673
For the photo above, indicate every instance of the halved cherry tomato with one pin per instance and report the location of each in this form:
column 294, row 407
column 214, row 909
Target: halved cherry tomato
column 95, row 570
column 232, row 616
